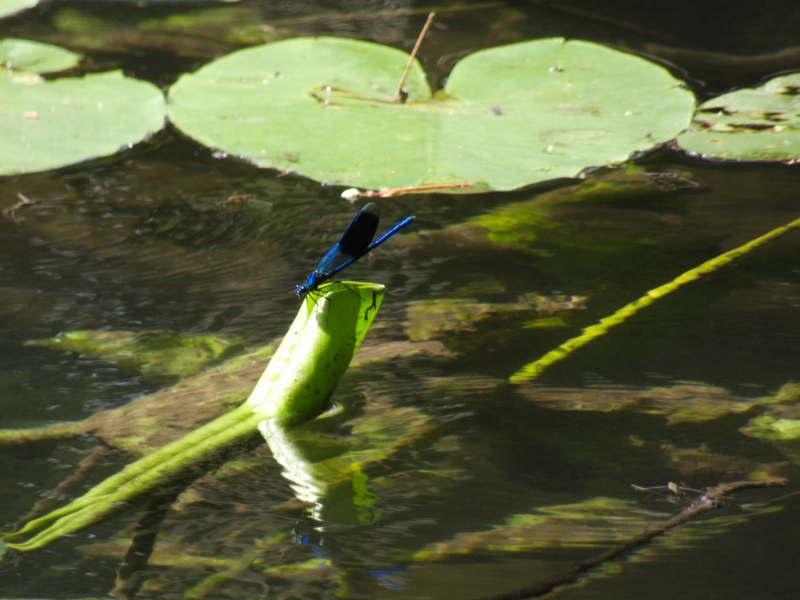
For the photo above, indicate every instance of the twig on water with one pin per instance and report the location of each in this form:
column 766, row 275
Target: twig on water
column 354, row 193
column 399, row 96
column 704, row 503
column 11, row 211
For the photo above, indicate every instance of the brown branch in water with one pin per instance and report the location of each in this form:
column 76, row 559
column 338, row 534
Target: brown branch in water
column 399, row 96
column 704, row 503
column 11, row 211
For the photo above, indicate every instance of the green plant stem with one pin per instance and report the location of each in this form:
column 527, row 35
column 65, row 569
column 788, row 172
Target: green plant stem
column 295, row 388
column 534, row 369
column 140, row 477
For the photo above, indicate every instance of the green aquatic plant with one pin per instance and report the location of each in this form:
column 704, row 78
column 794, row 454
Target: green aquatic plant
column 296, row 387
column 35, row 57
column 155, row 353
column 430, row 319
column 760, row 123
column 11, row 7
column 682, row 403
column 534, row 369
column 509, row 116
column 538, row 225
column 48, row 124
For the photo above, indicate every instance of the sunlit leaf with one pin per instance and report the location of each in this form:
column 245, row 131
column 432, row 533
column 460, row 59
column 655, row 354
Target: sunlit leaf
column 10, row 7
column 508, row 117
column 749, row 124
column 50, row 124
column 35, row 57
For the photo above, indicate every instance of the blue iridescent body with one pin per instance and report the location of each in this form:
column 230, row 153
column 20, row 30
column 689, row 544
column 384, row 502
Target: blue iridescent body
column 356, row 241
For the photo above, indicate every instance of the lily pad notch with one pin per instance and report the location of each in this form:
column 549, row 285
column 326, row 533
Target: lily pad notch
column 508, row 116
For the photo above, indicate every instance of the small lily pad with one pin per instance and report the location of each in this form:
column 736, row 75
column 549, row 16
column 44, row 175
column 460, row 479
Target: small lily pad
column 749, row 124
column 51, row 124
column 11, row 7
column 508, row 116
column 35, row 57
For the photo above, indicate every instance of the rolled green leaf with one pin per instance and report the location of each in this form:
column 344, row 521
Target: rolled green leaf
column 316, row 352
column 301, row 377
column 295, row 388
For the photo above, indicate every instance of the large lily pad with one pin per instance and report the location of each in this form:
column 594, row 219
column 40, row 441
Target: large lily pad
column 10, row 7
column 508, row 117
column 749, row 124
column 35, row 57
column 50, row 124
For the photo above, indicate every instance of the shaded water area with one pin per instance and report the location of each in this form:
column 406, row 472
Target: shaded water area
column 464, row 485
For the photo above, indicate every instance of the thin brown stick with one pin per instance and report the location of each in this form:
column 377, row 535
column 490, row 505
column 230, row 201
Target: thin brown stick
column 12, row 210
column 414, row 189
column 399, row 92
column 704, row 503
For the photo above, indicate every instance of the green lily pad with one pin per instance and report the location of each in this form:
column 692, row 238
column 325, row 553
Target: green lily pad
column 35, row 57
column 10, row 7
column 51, row 124
column 749, row 124
column 508, row 117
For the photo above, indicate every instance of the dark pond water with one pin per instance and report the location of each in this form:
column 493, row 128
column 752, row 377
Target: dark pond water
column 466, row 485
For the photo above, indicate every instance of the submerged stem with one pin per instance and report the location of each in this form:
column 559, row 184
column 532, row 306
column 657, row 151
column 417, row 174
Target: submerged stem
column 534, row 369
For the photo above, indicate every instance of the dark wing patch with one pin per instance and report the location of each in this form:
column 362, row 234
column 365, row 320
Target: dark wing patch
column 358, row 235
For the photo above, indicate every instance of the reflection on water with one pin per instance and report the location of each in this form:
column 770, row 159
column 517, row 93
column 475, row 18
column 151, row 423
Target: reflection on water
column 440, row 480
